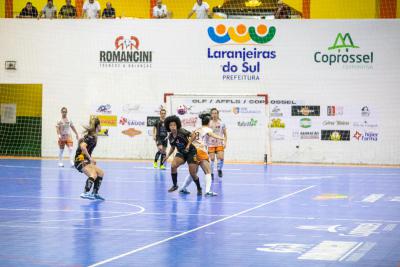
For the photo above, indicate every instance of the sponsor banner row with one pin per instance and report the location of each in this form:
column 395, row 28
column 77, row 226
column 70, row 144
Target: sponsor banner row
column 326, row 135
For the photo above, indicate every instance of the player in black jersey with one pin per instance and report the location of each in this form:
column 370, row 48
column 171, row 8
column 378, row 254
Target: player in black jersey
column 86, row 164
column 179, row 139
column 160, row 135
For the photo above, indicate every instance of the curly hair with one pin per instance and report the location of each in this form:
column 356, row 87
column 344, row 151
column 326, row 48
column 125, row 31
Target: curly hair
column 170, row 119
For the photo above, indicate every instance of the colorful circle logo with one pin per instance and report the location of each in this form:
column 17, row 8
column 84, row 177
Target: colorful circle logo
column 241, row 34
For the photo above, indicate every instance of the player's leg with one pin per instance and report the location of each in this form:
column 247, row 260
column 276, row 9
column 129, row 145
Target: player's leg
column 211, row 154
column 61, row 145
column 97, row 183
column 70, row 151
column 90, row 172
column 220, row 157
column 157, row 156
column 163, row 150
column 176, row 162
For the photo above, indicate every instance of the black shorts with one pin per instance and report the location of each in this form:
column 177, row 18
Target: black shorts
column 161, row 141
column 80, row 164
column 190, row 157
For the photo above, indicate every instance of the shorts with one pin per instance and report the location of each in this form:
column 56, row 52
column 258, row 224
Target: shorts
column 63, row 142
column 190, row 157
column 163, row 142
column 80, row 163
column 215, row 149
column 202, row 155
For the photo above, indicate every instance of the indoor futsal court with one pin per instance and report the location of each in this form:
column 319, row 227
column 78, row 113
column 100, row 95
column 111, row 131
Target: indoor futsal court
column 278, row 215
column 199, row 133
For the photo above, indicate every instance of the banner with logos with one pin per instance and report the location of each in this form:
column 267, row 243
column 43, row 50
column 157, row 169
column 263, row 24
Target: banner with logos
column 245, row 119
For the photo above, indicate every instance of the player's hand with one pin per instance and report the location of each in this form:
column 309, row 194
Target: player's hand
column 92, row 161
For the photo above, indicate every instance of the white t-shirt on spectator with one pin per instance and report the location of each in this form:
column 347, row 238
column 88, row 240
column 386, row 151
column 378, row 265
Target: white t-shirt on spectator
column 201, row 11
column 91, row 9
column 49, row 12
column 158, row 12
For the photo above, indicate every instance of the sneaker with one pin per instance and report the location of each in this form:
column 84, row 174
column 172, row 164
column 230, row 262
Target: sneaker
column 184, row 191
column 173, row 188
column 98, row 197
column 212, row 176
column 211, row 194
column 87, row 195
column 200, row 192
column 155, row 165
column 60, row 164
column 219, row 173
column 162, row 167
column 72, row 164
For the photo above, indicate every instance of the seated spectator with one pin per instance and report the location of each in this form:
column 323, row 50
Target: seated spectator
column 91, row 9
column 49, row 11
column 67, row 11
column 283, row 11
column 29, row 11
column 108, row 12
column 160, row 10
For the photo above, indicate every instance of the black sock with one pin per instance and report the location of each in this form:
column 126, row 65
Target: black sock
column 197, row 182
column 89, row 183
column 163, row 155
column 97, row 184
column 157, row 156
column 174, row 178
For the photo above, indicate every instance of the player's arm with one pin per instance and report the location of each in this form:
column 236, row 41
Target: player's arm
column 154, row 133
column 216, row 136
column 171, row 150
column 58, row 131
column 83, row 147
column 75, row 131
column 191, row 138
column 225, row 137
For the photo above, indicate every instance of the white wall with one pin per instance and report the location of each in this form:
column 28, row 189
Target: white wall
column 63, row 56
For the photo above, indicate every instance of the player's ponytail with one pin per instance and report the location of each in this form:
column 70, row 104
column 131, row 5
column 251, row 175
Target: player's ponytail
column 93, row 124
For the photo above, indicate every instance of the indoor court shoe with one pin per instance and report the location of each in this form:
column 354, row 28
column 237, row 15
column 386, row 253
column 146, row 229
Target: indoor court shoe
column 60, row 164
column 162, row 167
column 220, row 173
column 184, row 191
column 200, row 192
column 211, row 194
column 72, row 164
column 87, row 195
column 173, row 188
column 155, row 165
column 98, row 197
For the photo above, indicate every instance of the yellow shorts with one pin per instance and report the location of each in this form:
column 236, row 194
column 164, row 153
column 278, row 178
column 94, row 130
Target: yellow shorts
column 215, row 149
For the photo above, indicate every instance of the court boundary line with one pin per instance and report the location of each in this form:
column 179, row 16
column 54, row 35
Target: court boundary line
column 198, row 228
column 309, row 164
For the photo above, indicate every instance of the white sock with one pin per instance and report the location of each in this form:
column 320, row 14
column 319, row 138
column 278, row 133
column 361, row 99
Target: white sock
column 70, row 154
column 60, row 155
column 186, row 182
column 207, row 177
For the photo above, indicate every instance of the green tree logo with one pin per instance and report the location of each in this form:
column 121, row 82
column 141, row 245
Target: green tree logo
column 343, row 42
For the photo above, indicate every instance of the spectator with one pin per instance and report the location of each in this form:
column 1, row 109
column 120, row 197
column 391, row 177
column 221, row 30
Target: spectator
column 67, row 11
column 49, row 11
column 108, row 12
column 29, row 11
column 160, row 10
column 91, row 9
column 201, row 9
column 283, row 11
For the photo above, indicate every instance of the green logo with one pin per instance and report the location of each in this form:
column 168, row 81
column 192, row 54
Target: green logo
column 343, row 42
column 305, row 123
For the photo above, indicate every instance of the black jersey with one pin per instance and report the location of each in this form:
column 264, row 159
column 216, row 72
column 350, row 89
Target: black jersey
column 161, row 130
column 181, row 140
column 91, row 142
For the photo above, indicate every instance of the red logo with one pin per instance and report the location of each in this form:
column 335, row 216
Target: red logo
column 357, row 135
column 126, row 43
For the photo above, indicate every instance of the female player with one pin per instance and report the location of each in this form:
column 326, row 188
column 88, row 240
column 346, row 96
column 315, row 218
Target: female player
column 85, row 163
column 199, row 138
column 160, row 137
column 216, row 146
column 179, row 139
column 63, row 128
